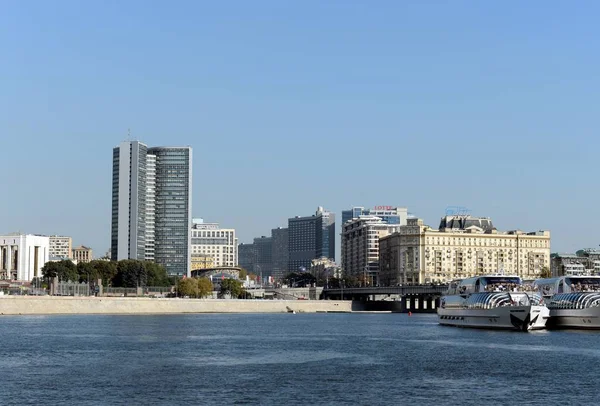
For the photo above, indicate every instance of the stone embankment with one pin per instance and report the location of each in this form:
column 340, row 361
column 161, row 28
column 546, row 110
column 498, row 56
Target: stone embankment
column 11, row 305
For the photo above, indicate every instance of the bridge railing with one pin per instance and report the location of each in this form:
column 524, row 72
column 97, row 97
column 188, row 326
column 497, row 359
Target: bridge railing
column 396, row 290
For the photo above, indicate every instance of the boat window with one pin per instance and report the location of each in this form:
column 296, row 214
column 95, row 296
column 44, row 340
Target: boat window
column 583, row 284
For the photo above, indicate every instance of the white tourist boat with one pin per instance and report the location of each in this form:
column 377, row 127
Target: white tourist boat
column 494, row 302
column 573, row 301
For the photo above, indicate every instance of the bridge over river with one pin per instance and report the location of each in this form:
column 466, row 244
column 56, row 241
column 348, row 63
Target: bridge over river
column 409, row 298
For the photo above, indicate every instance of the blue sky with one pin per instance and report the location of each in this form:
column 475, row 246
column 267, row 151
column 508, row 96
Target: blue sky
column 292, row 105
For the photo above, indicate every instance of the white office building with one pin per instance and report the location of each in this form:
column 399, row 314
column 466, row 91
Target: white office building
column 208, row 239
column 22, row 256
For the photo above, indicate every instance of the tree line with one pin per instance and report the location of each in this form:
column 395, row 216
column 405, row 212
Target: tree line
column 130, row 273
column 203, row 287
column 127, row 273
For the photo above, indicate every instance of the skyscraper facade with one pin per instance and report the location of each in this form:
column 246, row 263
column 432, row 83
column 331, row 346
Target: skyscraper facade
column 263, row 246
column 325, row 234
column 151, row 205
column 280, row 237
column 246, row 256
column 173, row 201
column 128, row 234
column 309, row 238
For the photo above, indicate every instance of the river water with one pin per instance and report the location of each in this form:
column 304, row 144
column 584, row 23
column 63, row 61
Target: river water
column 289, row 359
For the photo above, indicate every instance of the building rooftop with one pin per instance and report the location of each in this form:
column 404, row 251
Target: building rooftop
column 459, row 222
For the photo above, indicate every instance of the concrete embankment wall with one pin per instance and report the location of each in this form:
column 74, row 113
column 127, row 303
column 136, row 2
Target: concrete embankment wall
column 110, row 305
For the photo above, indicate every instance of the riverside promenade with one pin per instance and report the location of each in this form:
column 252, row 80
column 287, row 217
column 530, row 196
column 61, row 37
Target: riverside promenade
column 31, row 305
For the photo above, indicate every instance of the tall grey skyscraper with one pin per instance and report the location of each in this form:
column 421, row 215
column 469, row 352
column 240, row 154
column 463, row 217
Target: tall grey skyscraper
column 247, row 256
column 173, row 211
column 280, row 255
column 128, row 234
column 151, row 205
column 309, row 238
column 263, row 246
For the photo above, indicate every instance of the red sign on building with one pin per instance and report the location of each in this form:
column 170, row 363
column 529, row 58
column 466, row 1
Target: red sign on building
column 383, row 207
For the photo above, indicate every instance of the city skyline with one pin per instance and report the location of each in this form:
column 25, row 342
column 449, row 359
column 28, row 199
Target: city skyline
column 499, row 120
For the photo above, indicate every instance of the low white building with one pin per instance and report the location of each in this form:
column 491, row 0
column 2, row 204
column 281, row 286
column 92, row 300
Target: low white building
column 22, row 256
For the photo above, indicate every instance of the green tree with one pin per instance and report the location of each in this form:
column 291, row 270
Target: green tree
column 105, row 270
column 86, row 272
column 243, row 273
column 347, row 281
column 156, row 274
column 299, row 279
column 545, row 273
column 131, row 273
column 50, row 270
column 65, row 270
column 233, row 288
column 205, row 287
column 194, row 287
column 187, row 287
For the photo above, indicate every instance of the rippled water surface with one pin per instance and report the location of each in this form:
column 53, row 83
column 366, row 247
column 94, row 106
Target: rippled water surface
column 289, row 359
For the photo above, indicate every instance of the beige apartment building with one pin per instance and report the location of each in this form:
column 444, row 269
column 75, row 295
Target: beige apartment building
column 360, row 247
column 202, row 261
column 82, row 254
column 462, row 247
column 60, row 247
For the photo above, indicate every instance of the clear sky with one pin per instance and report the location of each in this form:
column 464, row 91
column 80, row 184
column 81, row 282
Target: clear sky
column 291, row 105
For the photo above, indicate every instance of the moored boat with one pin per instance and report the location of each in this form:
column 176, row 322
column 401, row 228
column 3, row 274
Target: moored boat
column 493, row 302
column 573, row 301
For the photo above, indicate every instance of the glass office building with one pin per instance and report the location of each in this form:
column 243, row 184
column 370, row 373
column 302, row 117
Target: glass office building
column 263, row 265
column 310, row 238
column 280, row 237
column 173, row 221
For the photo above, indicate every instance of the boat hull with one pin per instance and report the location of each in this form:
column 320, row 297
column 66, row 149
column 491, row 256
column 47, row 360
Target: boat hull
column 520, row 318
column 588, row 318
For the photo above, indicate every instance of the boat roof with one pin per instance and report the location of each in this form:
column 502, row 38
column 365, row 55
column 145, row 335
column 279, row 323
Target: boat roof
column 474, row 279
column 559, row 278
